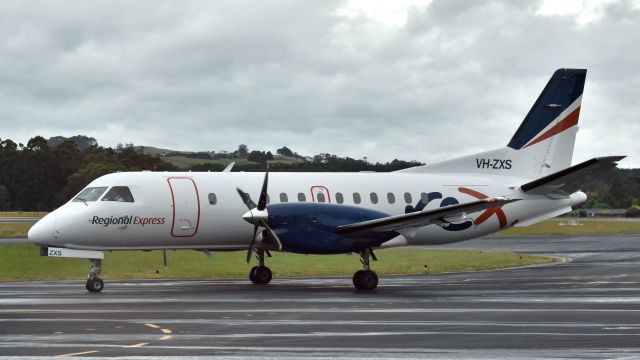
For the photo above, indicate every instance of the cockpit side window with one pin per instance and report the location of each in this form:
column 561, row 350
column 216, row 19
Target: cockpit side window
column 118, row 193
column 90, row 194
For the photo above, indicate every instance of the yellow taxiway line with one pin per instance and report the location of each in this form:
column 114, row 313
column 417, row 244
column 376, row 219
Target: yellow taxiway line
column 78, row 353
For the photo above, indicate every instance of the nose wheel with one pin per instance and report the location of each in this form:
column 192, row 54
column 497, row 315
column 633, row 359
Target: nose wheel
column 94, row 283
column 366, row 279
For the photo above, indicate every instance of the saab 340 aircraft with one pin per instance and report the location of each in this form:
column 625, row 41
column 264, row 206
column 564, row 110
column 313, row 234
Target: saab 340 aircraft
column 529, row 180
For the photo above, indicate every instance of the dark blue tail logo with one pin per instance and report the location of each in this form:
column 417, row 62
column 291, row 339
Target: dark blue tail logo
column 445, row 202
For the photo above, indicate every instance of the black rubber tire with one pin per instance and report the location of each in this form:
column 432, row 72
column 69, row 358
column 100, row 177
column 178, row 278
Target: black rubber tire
column 252, row 275
column 356, row 277
column 95, row 285
column 365, row 280
column 261, row 275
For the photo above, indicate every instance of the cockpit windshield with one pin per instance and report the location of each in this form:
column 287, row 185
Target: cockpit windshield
column 118, row 193
column 90, row 194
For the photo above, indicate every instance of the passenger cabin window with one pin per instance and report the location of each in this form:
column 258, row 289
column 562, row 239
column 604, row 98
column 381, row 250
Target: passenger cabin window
column 90, row 194
column 320, row 197
column 374, row 198
column 268, row 199
column 424, row 197
column 118, row 193
column 213, row 199
column 284, row 197
column 339, row 198
column 391, row 198
column 301, row 197
column 407, row 198
column 356, row 198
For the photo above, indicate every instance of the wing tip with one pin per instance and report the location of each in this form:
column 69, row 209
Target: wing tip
column 612, row 158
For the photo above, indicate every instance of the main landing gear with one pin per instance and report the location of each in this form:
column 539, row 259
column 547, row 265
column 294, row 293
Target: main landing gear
column 260, row 275
column 366, row 279
column 94, row 283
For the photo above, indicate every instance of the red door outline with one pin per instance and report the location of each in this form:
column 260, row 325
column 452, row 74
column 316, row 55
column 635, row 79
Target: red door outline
column 323, row 189
column 173, row 205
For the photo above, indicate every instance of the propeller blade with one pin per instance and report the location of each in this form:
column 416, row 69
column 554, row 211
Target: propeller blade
column 246, row 199
column 262, row 202
column 271, row 234
column 253, row 242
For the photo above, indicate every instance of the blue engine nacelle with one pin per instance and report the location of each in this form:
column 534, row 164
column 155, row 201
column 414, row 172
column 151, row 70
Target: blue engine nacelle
column 309, row 228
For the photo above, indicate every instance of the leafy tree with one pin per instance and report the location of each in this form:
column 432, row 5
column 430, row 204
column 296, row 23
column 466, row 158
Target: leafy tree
column 285, row 151
column 37, row 143
column 243, row 151
column 7, row 146
column 619, row 194
column 4, row 198
column 257, row 157
column 633, row 211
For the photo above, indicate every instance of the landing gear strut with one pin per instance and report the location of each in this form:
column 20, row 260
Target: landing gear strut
column 94, row 283
column 260, row 275
column 366, row 279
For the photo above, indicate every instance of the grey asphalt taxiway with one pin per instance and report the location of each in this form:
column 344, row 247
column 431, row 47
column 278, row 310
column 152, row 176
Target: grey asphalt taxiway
column 588, row 307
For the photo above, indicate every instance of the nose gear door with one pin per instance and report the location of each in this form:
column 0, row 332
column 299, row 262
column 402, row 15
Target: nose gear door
column 186, row 206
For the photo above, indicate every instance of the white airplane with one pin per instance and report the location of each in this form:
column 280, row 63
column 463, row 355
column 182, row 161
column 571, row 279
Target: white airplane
column 527, row 181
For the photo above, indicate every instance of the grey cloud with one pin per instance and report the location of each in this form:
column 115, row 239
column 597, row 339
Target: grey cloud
column 457, row 78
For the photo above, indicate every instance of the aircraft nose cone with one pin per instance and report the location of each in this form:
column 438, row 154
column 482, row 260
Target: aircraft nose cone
column 44, row 230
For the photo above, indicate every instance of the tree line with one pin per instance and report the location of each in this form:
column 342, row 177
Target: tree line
column 37, row 177
column 45, row 174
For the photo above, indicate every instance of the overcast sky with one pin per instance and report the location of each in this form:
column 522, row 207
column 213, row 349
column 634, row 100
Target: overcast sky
column 413, row 80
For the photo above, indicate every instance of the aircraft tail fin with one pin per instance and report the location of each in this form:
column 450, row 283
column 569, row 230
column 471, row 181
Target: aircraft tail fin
column 544, row 142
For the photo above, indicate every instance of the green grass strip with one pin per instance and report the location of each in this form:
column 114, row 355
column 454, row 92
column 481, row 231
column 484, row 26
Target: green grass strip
column 15, row 214
column 569, row 227
column 14, row 229
column 22, row 262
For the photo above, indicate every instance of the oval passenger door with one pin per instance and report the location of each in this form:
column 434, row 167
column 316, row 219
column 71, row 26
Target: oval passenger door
column 320, row 194
column 186, row 206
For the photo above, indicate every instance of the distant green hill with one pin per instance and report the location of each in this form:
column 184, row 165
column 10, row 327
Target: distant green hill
column 82, row 142
column 150, row 150
column 186, row 159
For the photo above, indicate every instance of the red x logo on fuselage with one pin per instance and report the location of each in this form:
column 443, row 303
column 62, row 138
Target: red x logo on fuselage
column 502, row 218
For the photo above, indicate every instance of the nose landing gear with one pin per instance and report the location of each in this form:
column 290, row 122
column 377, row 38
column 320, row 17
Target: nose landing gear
column 94, row 283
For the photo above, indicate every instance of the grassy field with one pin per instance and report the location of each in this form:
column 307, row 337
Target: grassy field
column 562, row 226
column 14, row 230
column 22, row 262
column 184, row 162
column 22, row 214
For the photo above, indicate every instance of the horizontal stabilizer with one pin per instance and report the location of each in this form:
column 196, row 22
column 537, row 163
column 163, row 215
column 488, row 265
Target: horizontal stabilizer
column 566, row 180
column 423, row 218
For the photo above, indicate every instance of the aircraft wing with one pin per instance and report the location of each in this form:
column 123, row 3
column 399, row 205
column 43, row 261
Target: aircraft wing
column 422, row 218
column 566, row 180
